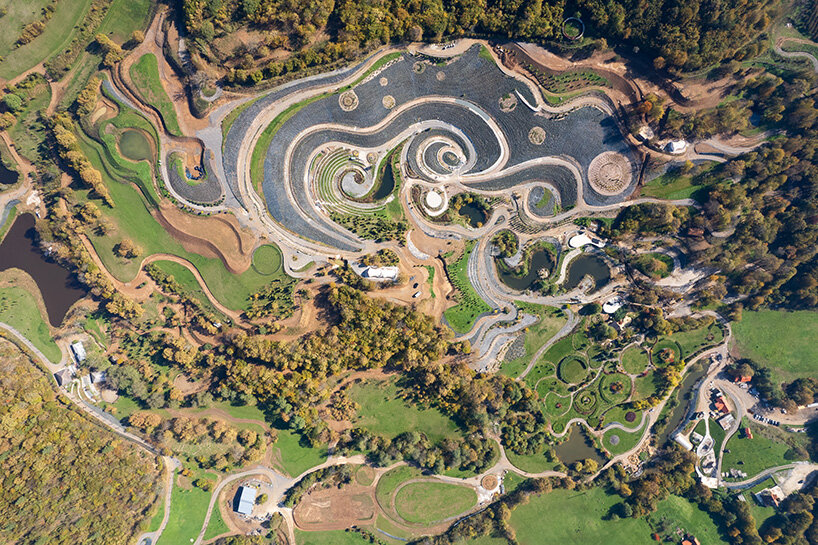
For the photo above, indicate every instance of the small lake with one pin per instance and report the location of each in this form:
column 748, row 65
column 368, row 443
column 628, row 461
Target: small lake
column 8, row 176
column 473, row 213
column 134, row 145
column 587, row 264
column 540, row 259
column 577, row 448
column 387, row 184
column 60, row 289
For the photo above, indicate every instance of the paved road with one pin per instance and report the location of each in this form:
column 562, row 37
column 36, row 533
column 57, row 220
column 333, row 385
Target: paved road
column 754, row 480
column 796, row 54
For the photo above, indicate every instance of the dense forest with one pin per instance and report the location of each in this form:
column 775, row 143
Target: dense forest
column 65, row 480
column 677, row 35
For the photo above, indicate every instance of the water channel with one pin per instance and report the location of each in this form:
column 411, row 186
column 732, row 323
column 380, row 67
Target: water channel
column 587, row 264
column 60, row 289
column 678, row 412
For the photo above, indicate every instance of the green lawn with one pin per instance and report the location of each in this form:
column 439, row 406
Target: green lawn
column 757, row 454
column 531, row 463
column 461, row 317
column 783, row 341
column 626, row 440
column 145, row 76
column 681, row 513
column 19, row 309
column 550, row 321
column 635, row 360
column 390, row 481
column 217, row 526
column 675, row 185
column 332, row 537
column 694, row 340
column 296, row 458
column 187, row 513
column 267, row 259
column 428, row 502
column 29, row 132
column 125, row 16
column 644, row 387
column 156, row 520
column 717, row 434
column 384, row 413
column 581, row 517
column 57, row 34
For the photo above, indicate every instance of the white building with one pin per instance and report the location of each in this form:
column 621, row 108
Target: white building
column 380, row 273
column 676, row 147
column 79, row 351
column 245, row 500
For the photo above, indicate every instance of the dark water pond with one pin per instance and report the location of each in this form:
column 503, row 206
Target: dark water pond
column 577, row 448
column 473, row 213
column 60, row 288
column 540, row 259
column 387, row 184
column 587, row 264
column 679, row 411
column 8, row 176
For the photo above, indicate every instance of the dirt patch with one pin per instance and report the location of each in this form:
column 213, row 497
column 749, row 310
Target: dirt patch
column 336, row 509
column 186, row 386
column 224, row 240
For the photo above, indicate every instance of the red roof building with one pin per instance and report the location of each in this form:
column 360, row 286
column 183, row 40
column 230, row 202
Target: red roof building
column 748, row 433
column 743, row 378
column 721, row 406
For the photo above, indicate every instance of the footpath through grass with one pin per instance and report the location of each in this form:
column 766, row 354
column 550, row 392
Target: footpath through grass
column 754, row 455
column 145, row 76
column 462, row 316
column 549, row 321
column 19, row 309
column 781, row 340
column 294, row 457
column 188, row 508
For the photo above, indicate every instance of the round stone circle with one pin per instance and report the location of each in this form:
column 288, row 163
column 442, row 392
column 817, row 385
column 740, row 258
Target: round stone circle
column 440, row 75
column 419, row 67
column 388, row 102
column 613, row 440
column 609, row 173
column 489, row 482
column 383, row 81
column 348, row 100
column 536, row 135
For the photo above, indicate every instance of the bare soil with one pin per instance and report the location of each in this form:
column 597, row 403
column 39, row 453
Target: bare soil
column 336, row 509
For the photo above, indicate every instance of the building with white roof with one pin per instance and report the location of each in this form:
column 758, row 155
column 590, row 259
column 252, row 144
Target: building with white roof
column 79, row 351
column 245, row 500
column 380, row 273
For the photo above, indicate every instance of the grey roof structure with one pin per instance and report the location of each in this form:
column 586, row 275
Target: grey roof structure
column 245, row 500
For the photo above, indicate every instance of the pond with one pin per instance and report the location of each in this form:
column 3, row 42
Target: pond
column 587, row 264
column 134, row 145
column 540, row 259
column 577, row 448
column 473, row 213
column 677, row 415
column 387, row 184
column 8, row 176
column 60, row 289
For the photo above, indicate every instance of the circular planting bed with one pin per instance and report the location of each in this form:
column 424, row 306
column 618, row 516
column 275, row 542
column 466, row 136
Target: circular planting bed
column 585, row 402
column 536, row 135
column 267, row 259
column 572, row 370
column 613, row 440
column 428, row 502
column 666, row 352
column 573, row 28
column 388, row 102
column 348, row 101
column 615, row 388
column 630, row 416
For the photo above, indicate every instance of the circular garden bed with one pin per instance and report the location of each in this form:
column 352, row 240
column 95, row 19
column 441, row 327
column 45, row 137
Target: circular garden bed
column 267, row 259
column 585, row 402
column 572, row 370
column 666, row 352
column 615, row 388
